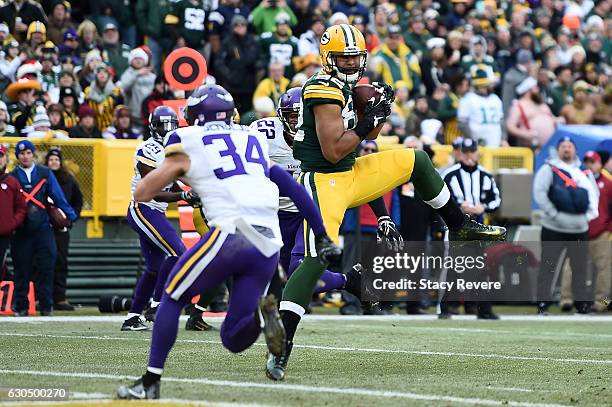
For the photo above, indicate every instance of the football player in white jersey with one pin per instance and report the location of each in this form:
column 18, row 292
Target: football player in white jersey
column 160, row 245
column 228, row 166
column 480, row 112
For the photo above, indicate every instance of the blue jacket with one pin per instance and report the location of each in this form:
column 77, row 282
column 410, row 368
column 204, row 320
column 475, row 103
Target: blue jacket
column 37, row 216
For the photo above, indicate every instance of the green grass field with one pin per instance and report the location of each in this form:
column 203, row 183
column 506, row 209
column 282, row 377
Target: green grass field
column 353, row 361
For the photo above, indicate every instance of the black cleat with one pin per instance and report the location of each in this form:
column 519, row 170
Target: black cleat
column 276, row 365
column 196, row 323
column 137, row 391
column 472, row 230
column 353, row 286
column 272, row 325
column 134, row 324
column 445, row 315
column 543, row 308
column 63, row 306
column 149, row 314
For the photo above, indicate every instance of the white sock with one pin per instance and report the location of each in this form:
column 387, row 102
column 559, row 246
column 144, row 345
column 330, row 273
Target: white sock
column 154, row 304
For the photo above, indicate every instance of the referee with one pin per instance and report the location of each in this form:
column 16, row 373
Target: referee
column 475, row 191
column 470, row 184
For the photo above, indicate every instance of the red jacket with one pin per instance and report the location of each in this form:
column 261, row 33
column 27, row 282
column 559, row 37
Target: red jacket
column 603, row 222
column 12, row 205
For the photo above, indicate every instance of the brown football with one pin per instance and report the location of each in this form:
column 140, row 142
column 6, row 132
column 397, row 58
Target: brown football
column 361, row 96
column 59, row 220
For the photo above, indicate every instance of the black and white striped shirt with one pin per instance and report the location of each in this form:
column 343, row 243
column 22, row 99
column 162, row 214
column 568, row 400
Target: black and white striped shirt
column 472, row 185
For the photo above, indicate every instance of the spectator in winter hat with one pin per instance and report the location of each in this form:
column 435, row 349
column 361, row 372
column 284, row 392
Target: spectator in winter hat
column 137, row 83
column 122, row 128
column 87, row 124
column 37, row 35
column 103, row 95
column 59, row 21
column 114, row 51
column 69, row 100
column 86, row 75
column 69, row 47
column 41, row 127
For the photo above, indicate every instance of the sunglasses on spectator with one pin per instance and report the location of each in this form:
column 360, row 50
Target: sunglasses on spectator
column 370, row 150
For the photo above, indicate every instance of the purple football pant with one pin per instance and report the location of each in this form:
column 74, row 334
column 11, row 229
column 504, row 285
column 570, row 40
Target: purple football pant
column 159, row 243
column 217, row 256
column 292, row 253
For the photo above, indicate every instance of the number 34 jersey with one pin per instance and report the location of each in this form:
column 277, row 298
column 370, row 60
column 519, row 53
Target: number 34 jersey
column 229, row 170
column 280, row 152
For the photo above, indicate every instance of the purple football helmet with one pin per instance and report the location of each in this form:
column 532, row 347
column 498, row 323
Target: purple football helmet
column 161, row 121
column 290, row 102
column 209, row 103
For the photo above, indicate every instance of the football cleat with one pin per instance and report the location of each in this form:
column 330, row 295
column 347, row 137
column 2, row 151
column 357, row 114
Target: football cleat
column 272, row 325
column 472, row 230
column 137, row 391
column 353, row 286
column 276, row 365
column 149, row 314
column 196, row 323
column 134, row 324
column 487, row 315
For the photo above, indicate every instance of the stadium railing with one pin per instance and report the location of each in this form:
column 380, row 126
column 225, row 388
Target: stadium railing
column 104, row 168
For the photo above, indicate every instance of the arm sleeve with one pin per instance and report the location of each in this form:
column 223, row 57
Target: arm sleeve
column 378, row 207
column 56, row 193
column 590, row 186
column 492, row 205
column 287, row 186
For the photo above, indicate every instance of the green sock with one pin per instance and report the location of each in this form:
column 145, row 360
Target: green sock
column 427, row 182
column 303, row 280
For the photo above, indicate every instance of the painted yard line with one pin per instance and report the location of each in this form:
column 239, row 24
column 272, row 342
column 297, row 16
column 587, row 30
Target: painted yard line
column 300, row 388
column 342, row 349
column 77, row 398
column 536, row 334
column 343, row 318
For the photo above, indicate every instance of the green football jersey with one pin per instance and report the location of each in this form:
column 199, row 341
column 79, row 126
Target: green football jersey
column 322, row 89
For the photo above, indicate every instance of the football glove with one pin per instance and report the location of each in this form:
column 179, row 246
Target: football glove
column 327, row 251
column 388, row 231
column 192, row 198
column 388, row 94
column 374, row 115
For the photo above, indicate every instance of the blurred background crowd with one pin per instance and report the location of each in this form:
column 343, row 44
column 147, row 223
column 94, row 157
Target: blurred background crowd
column 93, row 69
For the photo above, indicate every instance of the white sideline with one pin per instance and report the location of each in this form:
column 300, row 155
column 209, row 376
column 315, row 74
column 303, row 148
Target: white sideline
column 343, row 318
column 101, row 398
column 336, row 348
column 299, row 388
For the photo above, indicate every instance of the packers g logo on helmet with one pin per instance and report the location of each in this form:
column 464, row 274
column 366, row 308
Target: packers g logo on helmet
column 343, row 40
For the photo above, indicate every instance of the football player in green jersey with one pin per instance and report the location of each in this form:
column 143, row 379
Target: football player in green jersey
column 328, row 133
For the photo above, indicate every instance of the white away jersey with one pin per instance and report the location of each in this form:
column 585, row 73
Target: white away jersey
column 280, row 153
column 484, row 115
column 151, row 154
column 229, row 170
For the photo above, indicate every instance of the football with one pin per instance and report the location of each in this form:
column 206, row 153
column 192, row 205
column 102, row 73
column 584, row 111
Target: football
column 362, row 94
column 59, row 220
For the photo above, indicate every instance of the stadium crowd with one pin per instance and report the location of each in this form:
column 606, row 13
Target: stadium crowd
column 93, row 69
column 497, row 72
